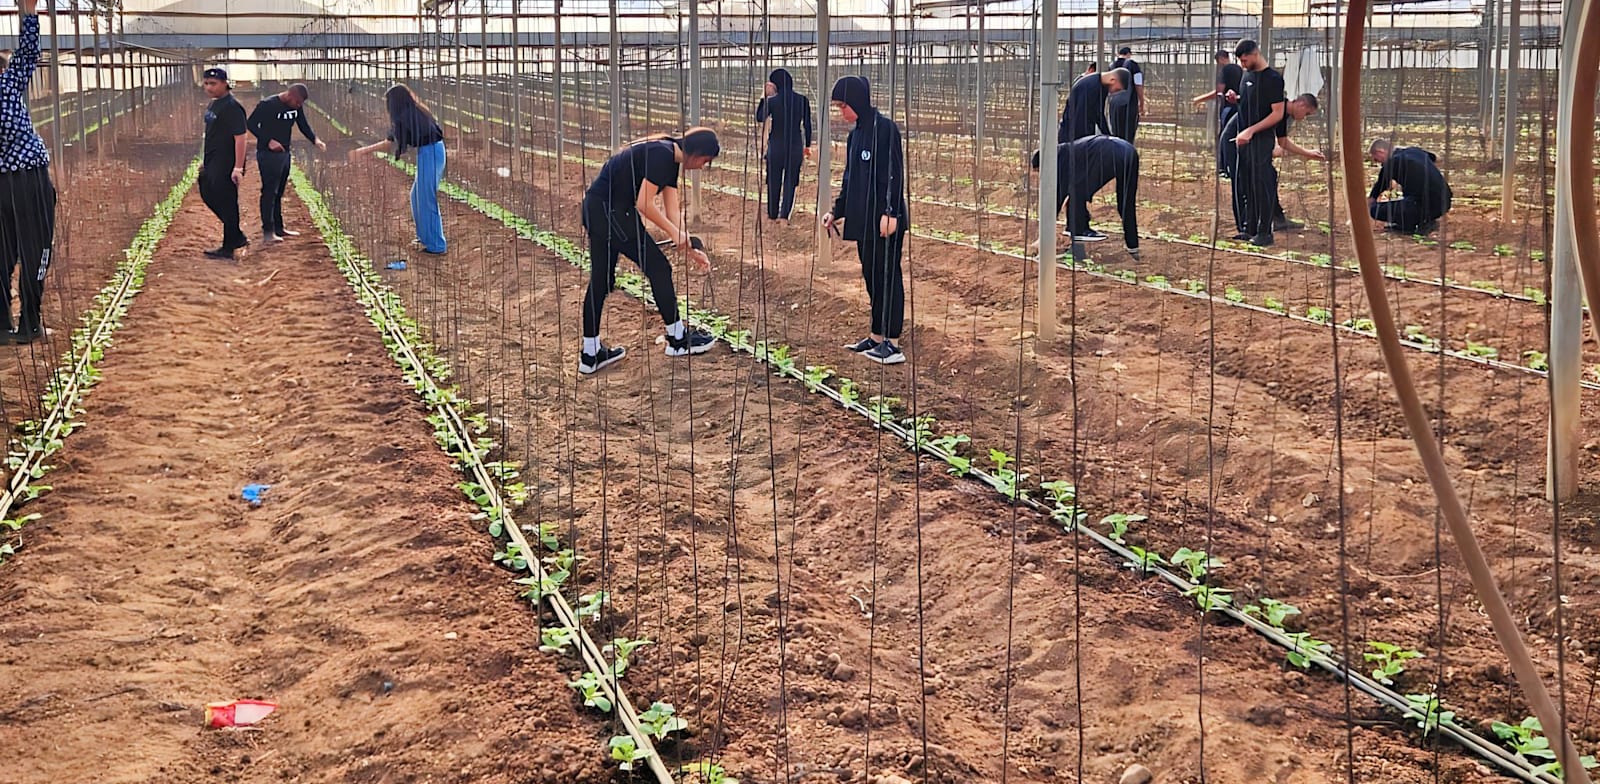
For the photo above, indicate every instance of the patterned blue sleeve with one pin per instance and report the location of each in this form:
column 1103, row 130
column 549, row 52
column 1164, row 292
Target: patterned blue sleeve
column 24, row 60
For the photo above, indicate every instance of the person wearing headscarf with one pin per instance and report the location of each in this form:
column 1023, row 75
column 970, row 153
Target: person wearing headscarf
column 27, row 196
column 871, row 211
column 788, row 140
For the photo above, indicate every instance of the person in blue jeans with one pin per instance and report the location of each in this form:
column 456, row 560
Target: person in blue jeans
column 411, row 125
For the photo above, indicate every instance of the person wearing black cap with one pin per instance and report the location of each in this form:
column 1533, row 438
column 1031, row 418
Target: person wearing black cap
column 412, row 125
column 619, row 200
column 872, row 210
column 273, row 122
column 1127, row 106
column 1230, row 79
column 1426, row 196
column 788, row 141
column 1084, row 167
column 1261, row 108
column 27, row 196
column 222, row 164
column 1085, row 112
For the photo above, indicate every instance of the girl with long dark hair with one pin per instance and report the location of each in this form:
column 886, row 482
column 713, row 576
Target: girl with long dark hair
column 788, row 141
column 411, row 125
column 619, row 200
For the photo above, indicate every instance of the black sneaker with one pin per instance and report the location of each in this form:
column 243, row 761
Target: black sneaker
column 1262, row 240
column 223, row 252
column 1241, row 237
column 1134, row 252
column 866, row 344
column 287, row 233
column 885, row 353
column 26, row 336
column 592, row 363
column 1088, row 236
column 1284, row 224
column 1428, row 228
column 694, row 341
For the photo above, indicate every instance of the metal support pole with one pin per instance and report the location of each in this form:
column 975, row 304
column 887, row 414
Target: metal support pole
column 694, row 102
column 57, row 155
column 1049, row 89
column 1266, row 30
column 103, row 139
column 1508, row 149
column 558, row 110
column 1099, row 34
column 1566, row 288
column 483, row 75
column 824, row 138
column 616, row 80
column 77, row 70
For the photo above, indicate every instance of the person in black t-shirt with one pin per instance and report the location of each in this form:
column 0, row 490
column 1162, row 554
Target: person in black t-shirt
column 222, row 161
column 1085, row 112
column 272, row 122
column 788, row 141
column 618, row 202
column 411, row 125
column 1229, row 79
column 1425, row 198
column 1127, row 106
column 1261, row 108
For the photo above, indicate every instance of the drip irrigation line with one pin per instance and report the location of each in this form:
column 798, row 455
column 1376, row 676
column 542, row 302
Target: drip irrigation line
column 1464, row 736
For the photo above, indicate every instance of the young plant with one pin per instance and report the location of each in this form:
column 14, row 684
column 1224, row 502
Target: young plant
column 1274, row 305
column 707, row 773
column 1233, row 294
column 1321, row 259
column 816, row 376
column 590, row 604
column 1504, row 250
column 1425, row 709
column 1144, row 560
column 1158, row 281
column 555, row 639
column 1271, row 612
column 1304, row 647
column 589, row 687
column 1527, row 739
column 1537, row 295
column 1319, row 315
column 1064, row 499
column 626, row 752
column 1196, row 562
column 1481, row 350
column 1007, row 479
column 1208, row 598
column 1389, row 660
column 512, row 557
column 848, row 392
column 949, row 443
column 661, row 720
column 1536, row 360
column 1417, row 334
column 1119, row 523
column 623, row 648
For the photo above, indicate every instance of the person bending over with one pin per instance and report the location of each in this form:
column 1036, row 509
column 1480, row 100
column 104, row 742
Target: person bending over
column 1261, row 108
column 411, row 124
column 788, row 141
column 27, row 196
column 1297, row 109
column 273, row 122
column 619, row 200
column 871, row 211
column 222, row 161
column 1084, row 167
column 1425, row 195
column 1085, row 112
column 1127, row 106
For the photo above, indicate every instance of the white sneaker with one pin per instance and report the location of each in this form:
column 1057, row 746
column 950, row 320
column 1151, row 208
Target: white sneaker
column 270, row 238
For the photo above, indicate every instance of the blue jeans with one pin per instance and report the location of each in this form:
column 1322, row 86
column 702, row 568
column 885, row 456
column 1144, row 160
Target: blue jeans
column 425, row 198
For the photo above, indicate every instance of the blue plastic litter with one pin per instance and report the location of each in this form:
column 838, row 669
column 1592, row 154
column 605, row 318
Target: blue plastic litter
column 252, row 493
column 395, row 265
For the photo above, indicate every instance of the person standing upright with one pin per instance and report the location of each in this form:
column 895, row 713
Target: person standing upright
column 27, row 196
column 1085, row 112
column 1261, row 108
column 273, row 123
column 1230, row 78
column 1127, row 106
column 222, row 161
column 411, row 124
column 788, row 141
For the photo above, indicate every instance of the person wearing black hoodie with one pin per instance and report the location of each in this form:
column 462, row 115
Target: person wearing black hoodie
column 788, row 141
column 1084, row 167
column 1426, row 196
column 871, row 211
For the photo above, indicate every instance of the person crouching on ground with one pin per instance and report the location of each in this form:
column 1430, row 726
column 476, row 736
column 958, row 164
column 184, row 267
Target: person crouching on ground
column 871, row 211
column 1426, row 196
column 619, row 200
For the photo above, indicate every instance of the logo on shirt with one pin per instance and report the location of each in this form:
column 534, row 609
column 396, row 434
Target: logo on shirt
column 292, row 114
column 866, row 155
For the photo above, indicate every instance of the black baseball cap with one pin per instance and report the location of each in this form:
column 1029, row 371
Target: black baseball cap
column 1125, row 50
column 215, row 73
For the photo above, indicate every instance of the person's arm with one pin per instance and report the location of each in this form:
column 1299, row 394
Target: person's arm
column 1209, row 96
column 1385, row 176
column 805, row 117
column 26, row 58
column 305, row 130
column 835, row 215
column 1271, row 120
column 1291, row 147
column 359, row 152
column 256, row 125
column 762, row 110
column 648, row 210
column 1138, row 90
column 240, row 135
column 894, row 194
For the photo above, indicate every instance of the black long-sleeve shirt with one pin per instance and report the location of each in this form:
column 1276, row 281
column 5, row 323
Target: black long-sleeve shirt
column 1085, row 112
column 272, row 120
column 791, row 117
column 1418, row 175
column 1084, row 166
column 874, row 178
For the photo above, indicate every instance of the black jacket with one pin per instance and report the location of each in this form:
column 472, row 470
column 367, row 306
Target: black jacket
column 1084, row 166
column 874, row 177
column 790, row 112
column 1418, row 175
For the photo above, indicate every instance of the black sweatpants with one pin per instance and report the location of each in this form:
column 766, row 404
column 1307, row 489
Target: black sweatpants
column 27, row 232
column 783, row 174
column 1255, row 188
column 222, row 197
column 1406, row 214
column 274, row 167
column 1124, row 115
column 612, row 233
column 886, row 289
column 1127, row 207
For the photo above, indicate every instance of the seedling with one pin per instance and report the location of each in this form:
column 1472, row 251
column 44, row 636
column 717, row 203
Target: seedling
column 881, row 408
column 1208, row 598
column 1006, row 479
column 1362, row 325
column 1195, row 286
column 1389, row 660
column 661, row 720
column 1535, row 360
column 1419, row 335
column 626, row 752
column 1463, row 245
column 1064, row 498
column 816, row 376
column 1537, row 295
column 1196, row 562
column 1425, row 709
column 623, row 648
column 1119, row 523
column 1304, row 647
column 1158, row 281
column 1483, row 351
column 1233, row 294
column 949, row 443
column 1527, row 739
column 538, row 588
column 707, row 773
column 1321, row 259
column 588, row 685
column 1504, row 250
column 1487, row 286
column 1144, row 560
column 1273, row 304
column 555, row 639
column 590, row 604
column 848, row 392
column 512, row 557
column 1319, row 315
column 1271, row 611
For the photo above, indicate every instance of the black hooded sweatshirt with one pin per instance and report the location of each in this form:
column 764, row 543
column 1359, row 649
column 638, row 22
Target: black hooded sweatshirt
column 1418, row 175
column 874, row 172
column 790, row 113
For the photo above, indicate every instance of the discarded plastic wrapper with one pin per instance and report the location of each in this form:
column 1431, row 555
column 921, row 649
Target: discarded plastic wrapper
column 395, row 265
column 237, row 713
column 253, row 493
